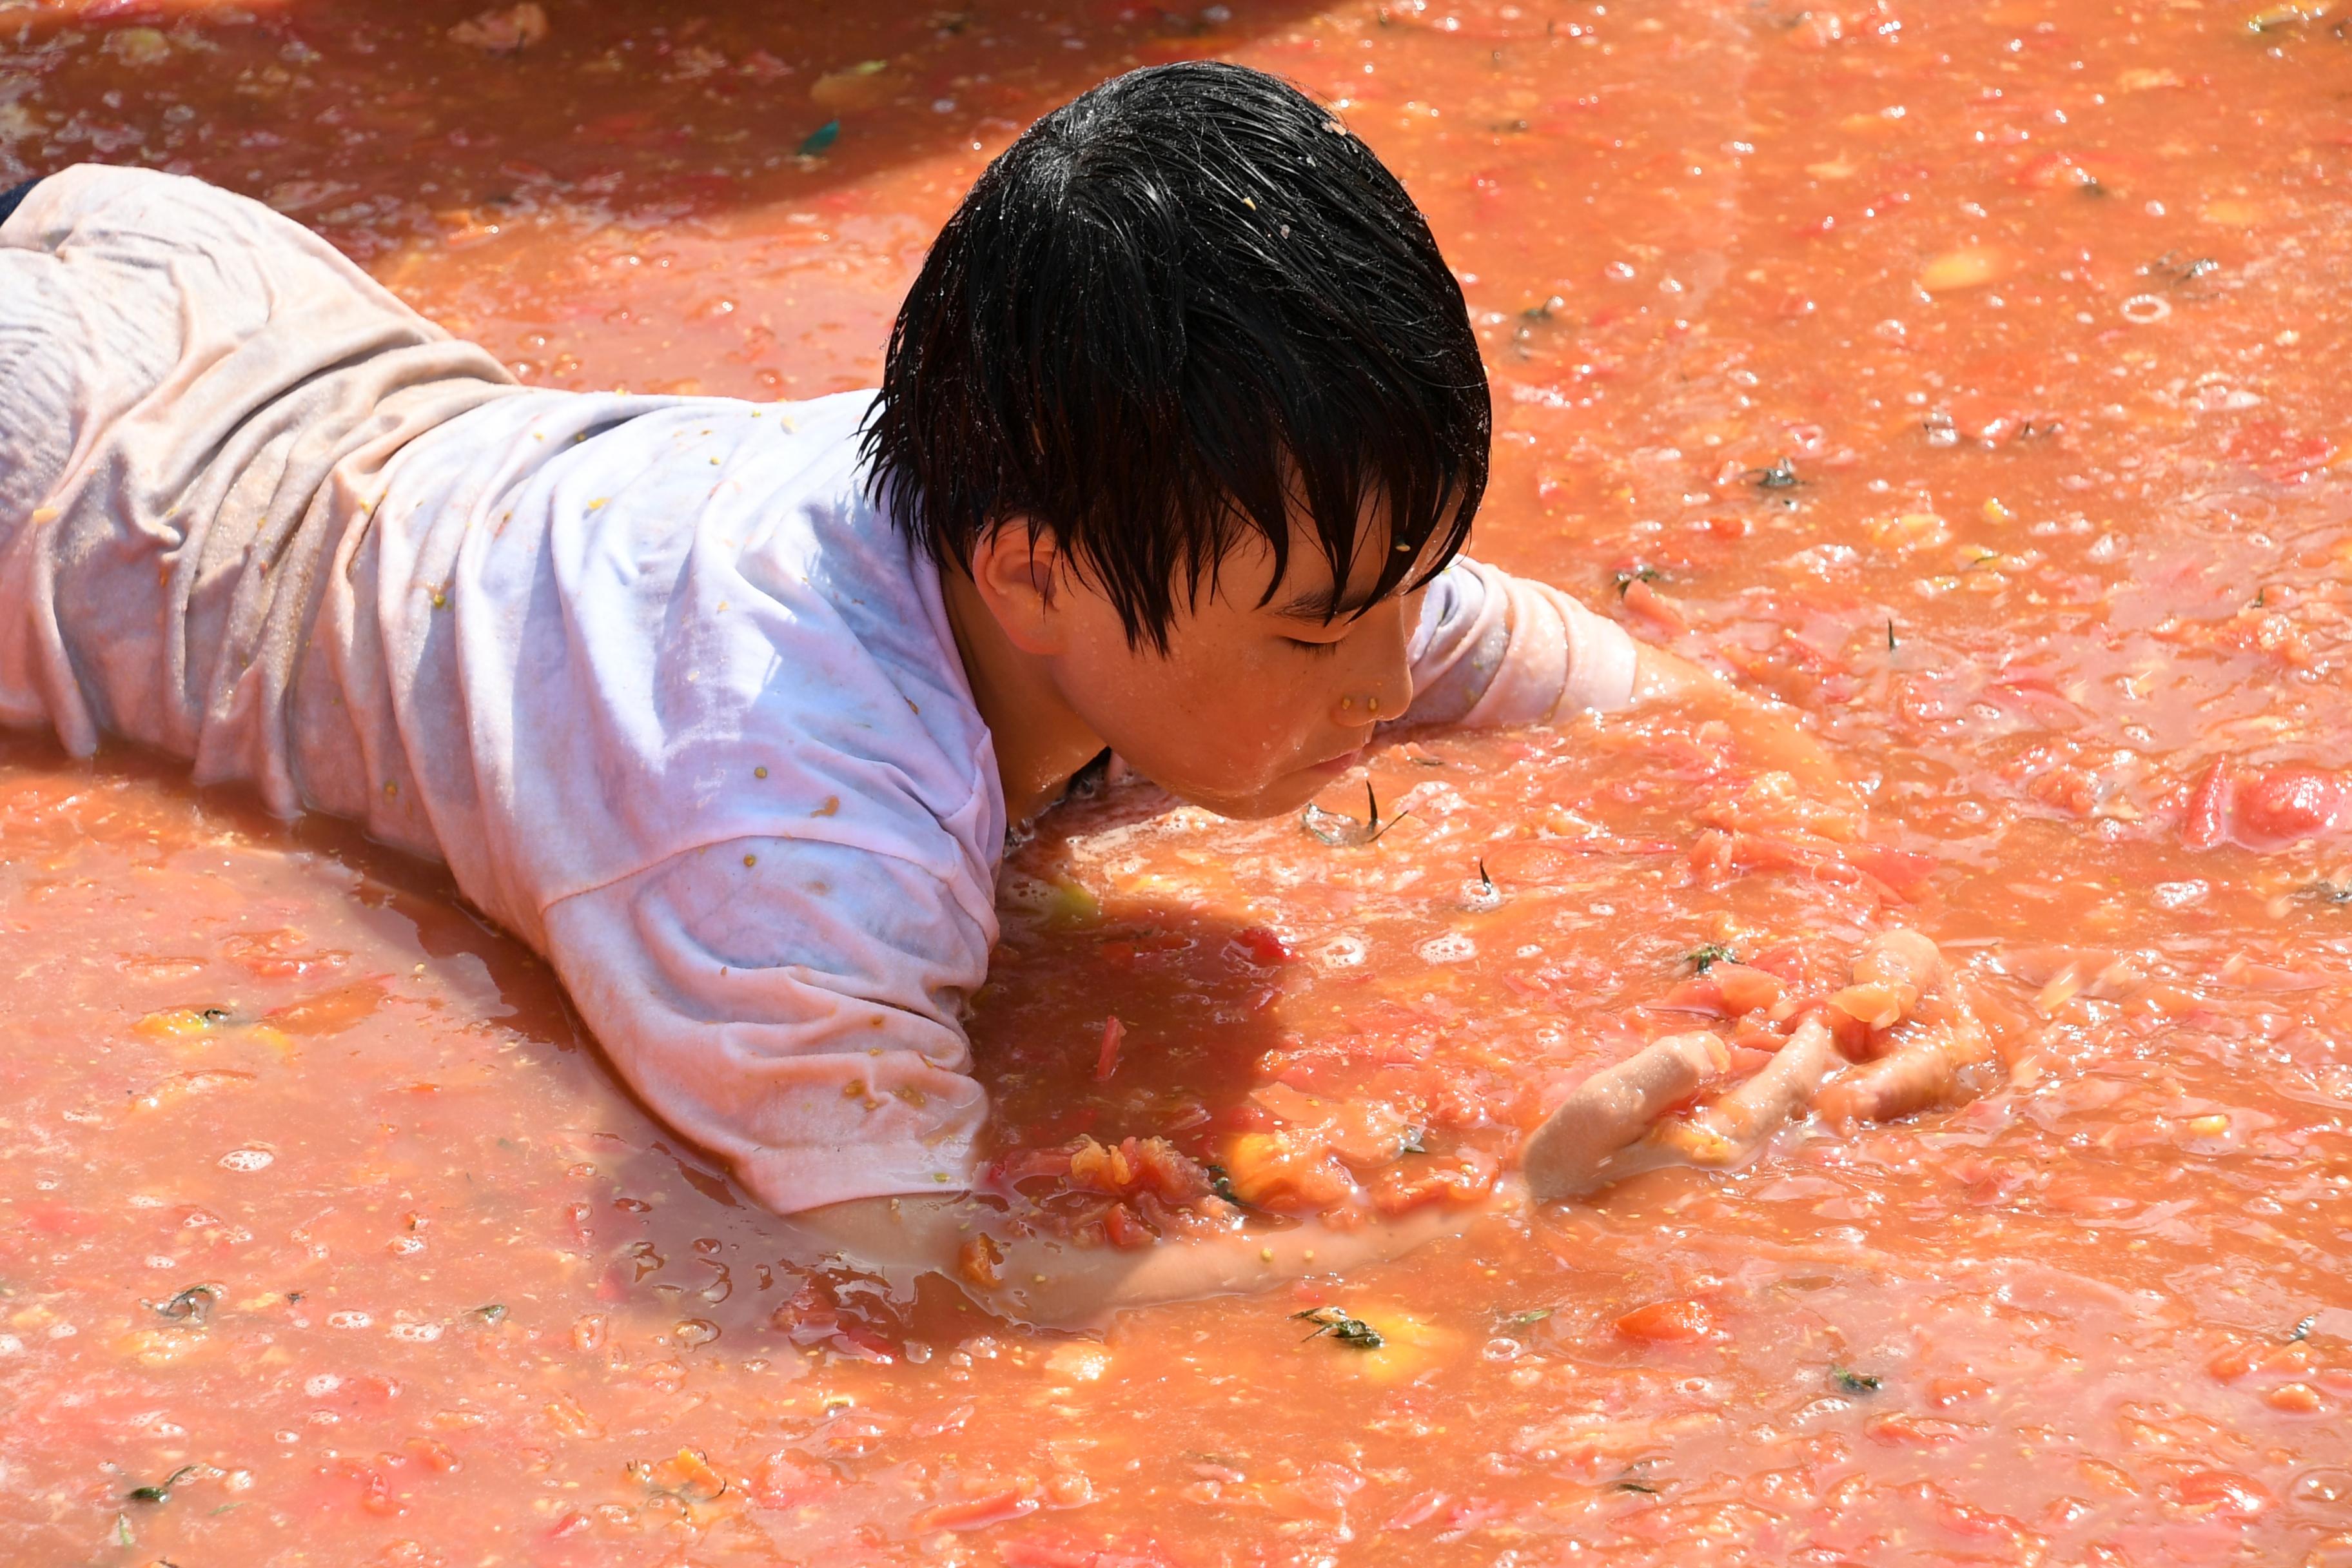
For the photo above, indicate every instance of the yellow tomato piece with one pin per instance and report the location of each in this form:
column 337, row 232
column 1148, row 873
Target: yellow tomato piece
column 1912, row 530
column 563, row 1413
column 275, row 1038
column 1409, row 1344
column 1969, row 267
column 1268, row 1167
column 179, row 1023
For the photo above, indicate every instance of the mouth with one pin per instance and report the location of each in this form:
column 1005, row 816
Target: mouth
column 1332, row 767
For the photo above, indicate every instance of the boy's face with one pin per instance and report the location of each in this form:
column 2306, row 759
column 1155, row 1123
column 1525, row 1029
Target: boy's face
column 1254, row 707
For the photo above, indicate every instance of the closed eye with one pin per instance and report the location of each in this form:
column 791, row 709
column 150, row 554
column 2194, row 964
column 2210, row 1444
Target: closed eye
column 1318, row 649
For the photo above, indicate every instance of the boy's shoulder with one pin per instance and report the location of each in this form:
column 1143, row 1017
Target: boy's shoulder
column 707, row 628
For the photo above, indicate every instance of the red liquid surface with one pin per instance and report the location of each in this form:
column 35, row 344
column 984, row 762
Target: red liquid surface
column 2042, row 307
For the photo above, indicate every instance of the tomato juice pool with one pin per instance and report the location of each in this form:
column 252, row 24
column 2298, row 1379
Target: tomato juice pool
column 1973, row 379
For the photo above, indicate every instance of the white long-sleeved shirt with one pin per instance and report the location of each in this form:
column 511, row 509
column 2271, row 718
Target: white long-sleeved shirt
column 656, row 677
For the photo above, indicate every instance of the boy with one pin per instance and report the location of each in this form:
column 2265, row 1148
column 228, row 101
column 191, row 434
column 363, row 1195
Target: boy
column 726, row 709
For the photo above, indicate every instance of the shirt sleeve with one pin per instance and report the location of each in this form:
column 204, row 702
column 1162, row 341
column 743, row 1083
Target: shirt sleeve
column 1493, row 649
column 792, row 1005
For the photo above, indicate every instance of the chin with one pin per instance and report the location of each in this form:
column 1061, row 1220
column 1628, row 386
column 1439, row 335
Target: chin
column 1277, row 799
column 1283, row 796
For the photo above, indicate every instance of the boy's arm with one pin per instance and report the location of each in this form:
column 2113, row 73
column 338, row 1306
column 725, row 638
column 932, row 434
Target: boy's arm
column 1493, row 649
column 804, row 1040
column 1049, row 1280
column 1769, row 731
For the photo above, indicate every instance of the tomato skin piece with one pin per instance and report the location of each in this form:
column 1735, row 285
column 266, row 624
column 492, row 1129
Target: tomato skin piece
column 2266, row 808
column 1670, row 1322
column 434, row 1454
column 362, row 1485
column 1641, row 599
column 2207, row 825
column 977, row 1513
column 328, row 1012
column 1701, row 996
column 1945, row 1391
column 2279, row 806
column 1107, row 1061
column 1905, row 872
column 2222, row 1494
column 1462, row 1176
column 1263, row 946
column 1901, row 1429
column 1746, row 990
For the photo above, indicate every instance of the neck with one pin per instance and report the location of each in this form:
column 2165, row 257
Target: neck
column 1039, row 741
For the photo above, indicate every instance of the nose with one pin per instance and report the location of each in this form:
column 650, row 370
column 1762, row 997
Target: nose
column 1378, row 688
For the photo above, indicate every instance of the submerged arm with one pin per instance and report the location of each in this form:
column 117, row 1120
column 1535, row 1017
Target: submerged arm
column 1493, row 649
column 1051, row 1279
column 1768, row 731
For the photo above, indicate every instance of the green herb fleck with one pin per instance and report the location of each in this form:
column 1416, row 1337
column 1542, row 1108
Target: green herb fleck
column 122, row 1530
column 2302, row 1330
column 1855, row 1381
column 1706, row 957
column 1347, row 1330
column 1532, row 1315
column 1780, row 476
column 1220, row 1184
column 1890, row 634
column 1415, row 1142
column 2329, row 892
column 161, row 1492
column 1642, row 1486
column 491, row 1313
column 821, row 139
column 1625, row 580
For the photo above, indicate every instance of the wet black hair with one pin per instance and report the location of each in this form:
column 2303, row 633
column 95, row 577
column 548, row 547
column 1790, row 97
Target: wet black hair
column 1184, row 307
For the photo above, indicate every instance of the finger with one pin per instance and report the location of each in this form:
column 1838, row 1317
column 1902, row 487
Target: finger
column 1737, row 1125
column 1910, row 1078
column 1923, row 1071
column 1900, row 957
column 1891, row 971
column 1614, row 1106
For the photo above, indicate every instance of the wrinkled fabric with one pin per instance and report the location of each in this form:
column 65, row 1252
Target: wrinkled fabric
column 653, row 675
column 1493, row 650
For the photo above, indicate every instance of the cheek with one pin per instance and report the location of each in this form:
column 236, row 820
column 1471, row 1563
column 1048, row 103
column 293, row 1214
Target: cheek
column 1235, row 724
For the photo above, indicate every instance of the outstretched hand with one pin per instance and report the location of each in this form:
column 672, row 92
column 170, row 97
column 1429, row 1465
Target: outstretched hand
column 1909, row 1035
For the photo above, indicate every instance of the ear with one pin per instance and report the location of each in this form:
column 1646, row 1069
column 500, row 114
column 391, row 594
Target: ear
column 1017, row 569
